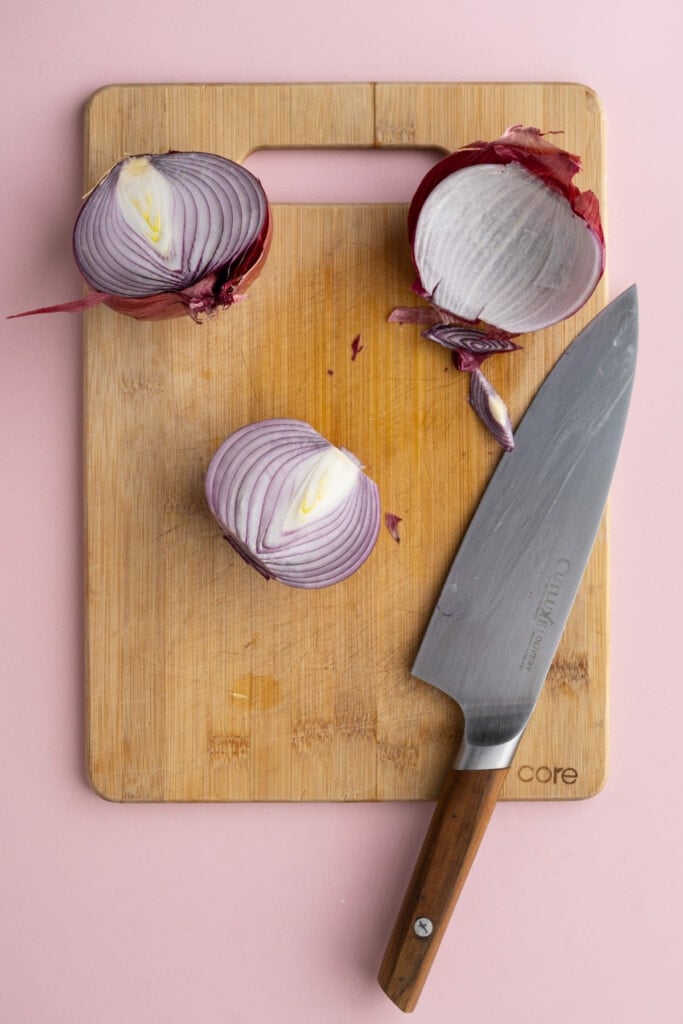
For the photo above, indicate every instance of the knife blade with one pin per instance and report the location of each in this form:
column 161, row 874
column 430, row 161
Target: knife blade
column 503, row 607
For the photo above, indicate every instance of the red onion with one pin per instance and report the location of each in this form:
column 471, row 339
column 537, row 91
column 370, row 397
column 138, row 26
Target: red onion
column 501, row 235
column 292, row 505
column 172, row 234
column 503, row 243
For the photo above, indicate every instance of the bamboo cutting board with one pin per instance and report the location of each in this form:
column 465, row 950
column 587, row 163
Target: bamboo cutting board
column 205, row 682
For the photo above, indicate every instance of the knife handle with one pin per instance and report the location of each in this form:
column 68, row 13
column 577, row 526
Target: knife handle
column 462, row 813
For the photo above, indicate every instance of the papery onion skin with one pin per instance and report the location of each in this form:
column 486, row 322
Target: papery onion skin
column 530, row 150
column 391, row 521
column 258, row 489
column 201, row 301
column 220, row 233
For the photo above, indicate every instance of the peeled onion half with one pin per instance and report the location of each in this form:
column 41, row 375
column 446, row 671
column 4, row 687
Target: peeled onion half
column 294, row 506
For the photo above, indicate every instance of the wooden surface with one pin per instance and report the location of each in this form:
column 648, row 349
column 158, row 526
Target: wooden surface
column 463, row 811
column 204, row 682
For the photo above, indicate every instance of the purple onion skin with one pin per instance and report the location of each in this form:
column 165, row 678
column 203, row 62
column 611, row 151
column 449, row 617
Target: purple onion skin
column 203, row 300
column 391, row 522
column 356, row 348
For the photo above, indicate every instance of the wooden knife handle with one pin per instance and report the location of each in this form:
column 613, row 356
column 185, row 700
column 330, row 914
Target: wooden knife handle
column 456, row 830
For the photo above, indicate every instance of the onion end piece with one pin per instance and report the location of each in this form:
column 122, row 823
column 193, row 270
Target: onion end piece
column 391, row 522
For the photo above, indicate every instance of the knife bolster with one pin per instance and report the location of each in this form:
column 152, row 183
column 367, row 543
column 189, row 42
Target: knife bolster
column 475, row 757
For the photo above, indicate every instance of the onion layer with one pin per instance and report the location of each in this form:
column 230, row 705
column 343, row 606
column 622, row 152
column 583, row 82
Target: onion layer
column 171, row 234
column 295, row 507
column 469, row 348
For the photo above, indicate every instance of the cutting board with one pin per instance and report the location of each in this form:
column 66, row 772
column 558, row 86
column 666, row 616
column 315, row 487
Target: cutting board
column 204, row 681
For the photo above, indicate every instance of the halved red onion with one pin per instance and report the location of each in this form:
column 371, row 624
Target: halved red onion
column 501, row 235
column 503, row 243
column 171, row 234
column 294, row 506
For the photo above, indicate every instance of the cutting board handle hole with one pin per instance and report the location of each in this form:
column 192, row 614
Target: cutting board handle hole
column 341, row 175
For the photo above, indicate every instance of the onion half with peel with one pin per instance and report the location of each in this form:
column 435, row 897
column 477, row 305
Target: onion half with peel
column 501, row 235
column 169, row 235
column 294, row 506
column 503, row 243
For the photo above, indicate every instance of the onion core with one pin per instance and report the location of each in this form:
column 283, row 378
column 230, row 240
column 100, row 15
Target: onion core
column 294, row 506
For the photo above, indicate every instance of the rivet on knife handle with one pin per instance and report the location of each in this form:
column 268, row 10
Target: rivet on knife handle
column 457, row 827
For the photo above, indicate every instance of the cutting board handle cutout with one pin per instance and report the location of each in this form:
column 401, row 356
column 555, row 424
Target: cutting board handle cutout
column 342, row 174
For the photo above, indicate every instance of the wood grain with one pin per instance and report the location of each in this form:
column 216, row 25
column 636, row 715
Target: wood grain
column 463, row 810
column 204, row 682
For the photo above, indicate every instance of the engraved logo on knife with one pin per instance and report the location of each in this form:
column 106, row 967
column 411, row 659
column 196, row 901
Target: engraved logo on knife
column 543, row 616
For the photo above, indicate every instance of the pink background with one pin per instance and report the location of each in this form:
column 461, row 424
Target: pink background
column 181, row 914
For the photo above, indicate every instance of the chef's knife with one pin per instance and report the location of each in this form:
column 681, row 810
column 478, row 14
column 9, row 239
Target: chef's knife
column 503, row 607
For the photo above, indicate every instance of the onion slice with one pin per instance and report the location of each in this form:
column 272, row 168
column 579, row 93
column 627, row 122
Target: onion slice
column 294, row 506
column 469, row 347
column 170, row 234
column 491, row 409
